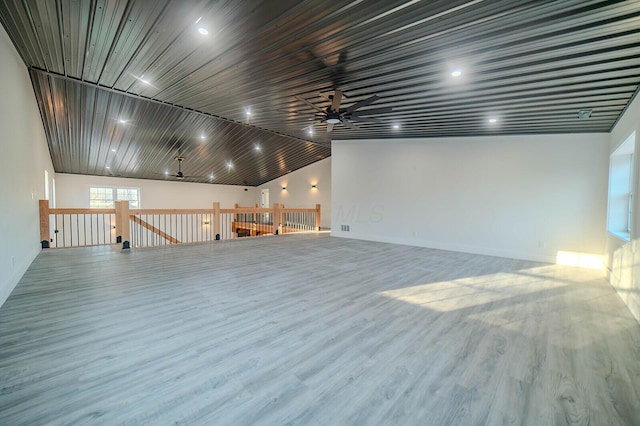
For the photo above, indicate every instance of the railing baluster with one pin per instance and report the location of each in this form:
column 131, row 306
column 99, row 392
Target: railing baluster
column 176, row 226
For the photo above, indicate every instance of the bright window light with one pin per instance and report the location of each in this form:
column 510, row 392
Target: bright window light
column 104, row 197
column 621, row 189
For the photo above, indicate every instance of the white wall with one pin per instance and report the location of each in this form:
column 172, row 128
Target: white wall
column 622, row 257
column 300, row 194
column 72, row 191
column 24, row 156
column 528, row 197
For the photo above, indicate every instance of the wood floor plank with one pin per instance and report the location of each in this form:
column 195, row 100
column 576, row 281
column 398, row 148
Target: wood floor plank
column 309, row 329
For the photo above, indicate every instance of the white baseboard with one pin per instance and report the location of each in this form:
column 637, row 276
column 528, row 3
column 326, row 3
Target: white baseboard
column 486, row 251
column 8, row 286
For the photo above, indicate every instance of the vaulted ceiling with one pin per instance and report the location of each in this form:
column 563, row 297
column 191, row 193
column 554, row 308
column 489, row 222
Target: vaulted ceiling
column 124, row 86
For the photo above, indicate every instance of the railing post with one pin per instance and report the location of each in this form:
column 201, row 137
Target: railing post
column 255, row 215
column 216, row 220
column 317, row 217
column 122, row 223
column 276, row 217
column 45, row 231
column 281, row 219
column 235, row 216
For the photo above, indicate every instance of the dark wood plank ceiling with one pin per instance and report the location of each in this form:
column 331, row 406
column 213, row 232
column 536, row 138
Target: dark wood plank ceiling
column 532, row 65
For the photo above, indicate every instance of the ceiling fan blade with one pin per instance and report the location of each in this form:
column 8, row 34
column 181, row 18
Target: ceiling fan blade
column 284, row 111
column 330, row 127
column 309, row 103
column 362, row 103
column 366, row 119
column 337, row 98
column 339, row 71
column 349, row 125
column 372, row 111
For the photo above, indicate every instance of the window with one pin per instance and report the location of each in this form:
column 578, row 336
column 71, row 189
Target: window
column 104, row 197
column 46, row 184
column 619, row 216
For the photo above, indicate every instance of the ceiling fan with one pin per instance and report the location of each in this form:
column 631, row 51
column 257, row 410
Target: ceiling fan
column 180, row 175
column 333, row 114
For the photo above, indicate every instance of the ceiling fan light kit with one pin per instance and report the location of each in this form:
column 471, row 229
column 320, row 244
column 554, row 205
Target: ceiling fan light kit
column 333, row 114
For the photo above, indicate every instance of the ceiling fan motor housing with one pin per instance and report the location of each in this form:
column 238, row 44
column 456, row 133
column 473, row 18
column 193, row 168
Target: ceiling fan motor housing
column 333, row 117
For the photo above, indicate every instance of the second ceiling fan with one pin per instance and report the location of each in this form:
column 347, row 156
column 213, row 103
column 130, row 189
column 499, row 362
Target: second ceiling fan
column 333, row 114
column 180, row 175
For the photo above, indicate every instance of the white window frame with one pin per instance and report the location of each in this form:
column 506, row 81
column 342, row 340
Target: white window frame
column 621, row 189
column 46, row 184
column 114, row 197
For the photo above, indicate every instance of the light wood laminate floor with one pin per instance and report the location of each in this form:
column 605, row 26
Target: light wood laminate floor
column 311, row 329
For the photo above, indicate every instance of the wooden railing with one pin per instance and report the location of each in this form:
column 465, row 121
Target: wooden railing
column 154, row 227
column 76, row 227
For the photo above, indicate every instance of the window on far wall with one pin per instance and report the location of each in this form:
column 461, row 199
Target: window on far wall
column 104, row 197
column 46, row 184
column 621, row 189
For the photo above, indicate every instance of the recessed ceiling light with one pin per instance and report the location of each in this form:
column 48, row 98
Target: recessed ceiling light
column 199, row 19
column 257, row 147
column 310, row 131
column 143, row 80
column 229, row 165
column 107, row 167
column 248, row 111
column 493, row 120
column 456, row 73
column 113, row 150
column 210, row 177
column 122, row 121
column 203, row 31
column 166, row 172
column 395, row 126
column 202, row 137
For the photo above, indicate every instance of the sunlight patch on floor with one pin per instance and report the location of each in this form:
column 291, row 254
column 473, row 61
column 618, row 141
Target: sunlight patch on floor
column 580, row 260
